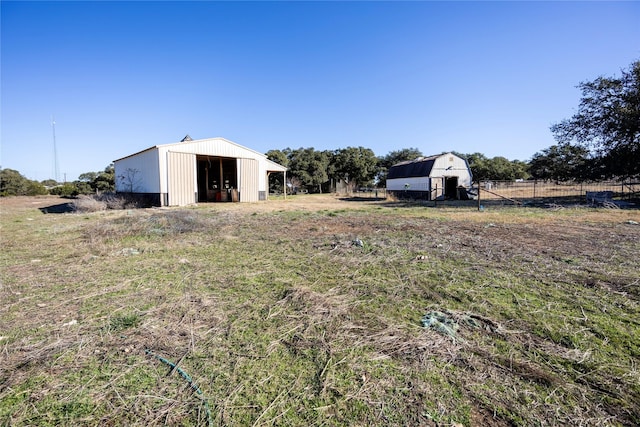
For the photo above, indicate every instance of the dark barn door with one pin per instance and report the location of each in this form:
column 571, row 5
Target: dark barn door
column 451, row 187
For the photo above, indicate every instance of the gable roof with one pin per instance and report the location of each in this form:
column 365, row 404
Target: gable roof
column 271, row 166
column 421, row 166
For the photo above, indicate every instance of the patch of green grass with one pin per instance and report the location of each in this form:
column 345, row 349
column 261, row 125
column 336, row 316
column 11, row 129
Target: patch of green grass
column 124, row 321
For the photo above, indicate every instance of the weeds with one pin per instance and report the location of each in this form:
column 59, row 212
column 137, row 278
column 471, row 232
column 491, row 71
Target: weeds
column 281, row 318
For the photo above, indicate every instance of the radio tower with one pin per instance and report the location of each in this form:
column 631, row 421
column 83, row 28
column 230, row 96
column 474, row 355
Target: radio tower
column 56, row 169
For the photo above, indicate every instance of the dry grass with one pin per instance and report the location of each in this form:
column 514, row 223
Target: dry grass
column 279, row 316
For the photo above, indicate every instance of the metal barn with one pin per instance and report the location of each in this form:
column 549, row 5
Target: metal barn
column 444, row 176
column 192, row 171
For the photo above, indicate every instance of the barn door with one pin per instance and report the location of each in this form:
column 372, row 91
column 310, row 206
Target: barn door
column 181, row 177
column 451, row 187
column 248, row 171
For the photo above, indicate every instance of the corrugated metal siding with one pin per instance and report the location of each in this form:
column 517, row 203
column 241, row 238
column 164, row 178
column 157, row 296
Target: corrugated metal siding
column 248, row 173
column 181, row 177
column 415, row 184
column 138, row 173
column 218, row 147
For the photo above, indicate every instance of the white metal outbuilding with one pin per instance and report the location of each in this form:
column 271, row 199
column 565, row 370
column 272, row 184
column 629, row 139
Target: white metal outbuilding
column 192, row 171
column 430, row 178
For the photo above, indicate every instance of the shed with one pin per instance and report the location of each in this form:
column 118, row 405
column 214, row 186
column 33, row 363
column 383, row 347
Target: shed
column 191, row 171
column 443, row 176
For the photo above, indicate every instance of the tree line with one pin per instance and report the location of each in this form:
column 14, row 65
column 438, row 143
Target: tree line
column 13, row 183
column 356, row 167
column 600, row 141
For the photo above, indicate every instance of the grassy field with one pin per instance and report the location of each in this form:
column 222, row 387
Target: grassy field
column 319, row 312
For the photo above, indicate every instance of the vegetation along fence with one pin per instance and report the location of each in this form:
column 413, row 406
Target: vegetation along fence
column 613, row 194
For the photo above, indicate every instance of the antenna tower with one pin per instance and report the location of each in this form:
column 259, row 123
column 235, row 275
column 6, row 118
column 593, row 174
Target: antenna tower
column 56, row 169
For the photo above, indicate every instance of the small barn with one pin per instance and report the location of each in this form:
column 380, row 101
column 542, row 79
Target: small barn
column 444, row 176
column 192, row 171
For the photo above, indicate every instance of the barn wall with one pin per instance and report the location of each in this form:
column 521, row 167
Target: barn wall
column 181, row 177
column 248, row 179
column 138, row 173
column 220, row 147
column 452, row 165
column 415, row 184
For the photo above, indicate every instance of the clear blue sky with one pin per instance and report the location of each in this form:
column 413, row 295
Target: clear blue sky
column 119, row 77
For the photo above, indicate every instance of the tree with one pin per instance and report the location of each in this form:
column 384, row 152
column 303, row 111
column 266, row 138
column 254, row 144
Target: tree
column 498, row 168
column 608, row 122
column 393, row 158
column 355, row 166
column 96, row 182
column 479, row 165
column 105, row 180
column 280, row 157
column 12, row 183
column 68, row 189
column 310, row 167
column 49, row 182
column 560, row 163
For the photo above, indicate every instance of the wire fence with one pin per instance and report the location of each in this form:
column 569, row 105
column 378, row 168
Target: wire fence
column 537, row 193
column 495, row 193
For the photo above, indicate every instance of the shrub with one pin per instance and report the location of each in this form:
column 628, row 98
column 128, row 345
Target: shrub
column 65, row 190
column 88, row 204
column 104, row 201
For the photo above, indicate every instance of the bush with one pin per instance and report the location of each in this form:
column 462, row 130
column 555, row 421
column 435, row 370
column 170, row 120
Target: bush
column 104, row 201
column 88, row 204
column 12, row 183
column 65, row 190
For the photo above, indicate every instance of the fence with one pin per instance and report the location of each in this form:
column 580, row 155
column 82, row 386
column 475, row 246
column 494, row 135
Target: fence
column 537, row 193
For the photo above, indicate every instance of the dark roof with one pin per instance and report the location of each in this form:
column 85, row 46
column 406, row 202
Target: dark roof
column 413, row 168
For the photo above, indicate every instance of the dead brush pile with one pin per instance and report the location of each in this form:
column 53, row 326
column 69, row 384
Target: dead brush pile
column 107, row 201
column 234, row 317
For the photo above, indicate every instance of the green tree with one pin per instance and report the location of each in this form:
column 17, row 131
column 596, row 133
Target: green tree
column 68, row 189
column 87, row 177
column 279, row 156
column 309, row 167
column 393, row 158
column 355, row 166
column 479, row 165
column 608, row 122
column 276, row 181
column 560, row 163
column 498, row 168
column 105, row 180
column 12, row 183
column 502, row 169
column 49, row 182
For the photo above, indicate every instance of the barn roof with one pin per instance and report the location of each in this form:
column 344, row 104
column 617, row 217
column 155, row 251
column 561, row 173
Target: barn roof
column 413, row 168
column 271, row 166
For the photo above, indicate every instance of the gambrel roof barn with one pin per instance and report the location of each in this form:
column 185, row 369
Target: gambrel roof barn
column 430, row 178
column 191, row 171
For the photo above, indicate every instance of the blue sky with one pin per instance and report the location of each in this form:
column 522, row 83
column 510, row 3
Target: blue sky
column 119, row 77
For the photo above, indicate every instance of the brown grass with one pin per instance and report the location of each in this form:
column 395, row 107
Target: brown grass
column 281, row 319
